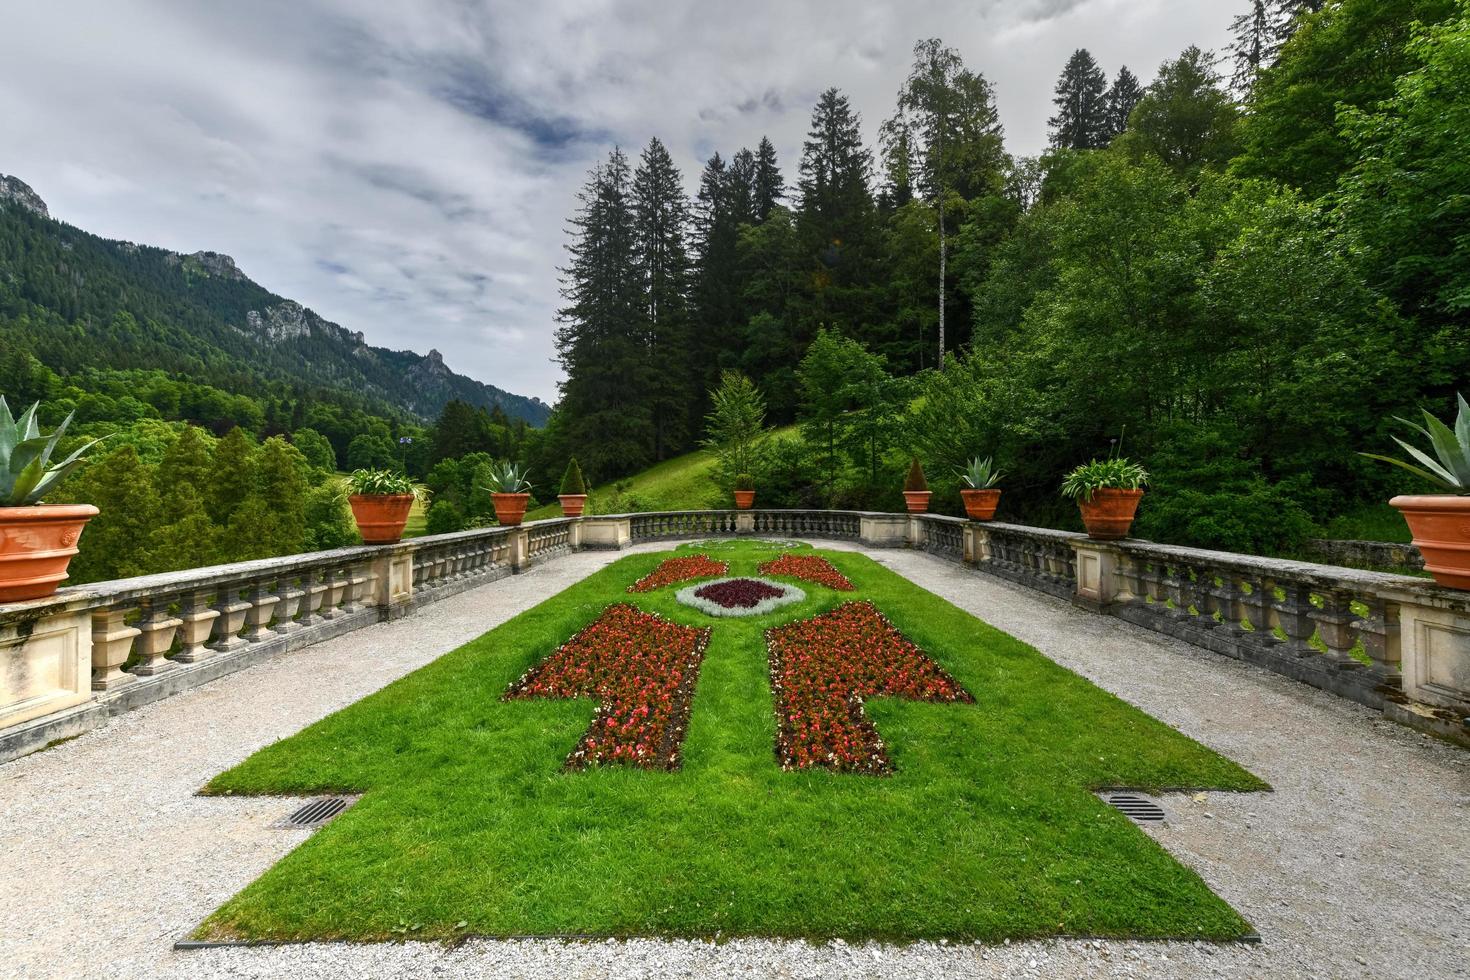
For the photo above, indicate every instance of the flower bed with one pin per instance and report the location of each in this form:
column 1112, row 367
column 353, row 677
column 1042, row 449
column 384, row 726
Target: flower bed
column 679, row 570
column 811, row 568
column 739, row 596
column 821, row 670
column 642, row 671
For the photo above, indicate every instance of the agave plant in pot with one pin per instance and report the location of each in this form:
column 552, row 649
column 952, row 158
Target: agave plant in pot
column 573, row 496
column 1107, row 492
column 381, row 501
column 916, row 490
column 37, row 540
column 979, row 492
column 744, row 491
column 510, row 492
column 1440, row 522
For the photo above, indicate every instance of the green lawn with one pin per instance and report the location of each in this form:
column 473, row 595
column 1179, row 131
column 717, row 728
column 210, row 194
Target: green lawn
column 987, row 829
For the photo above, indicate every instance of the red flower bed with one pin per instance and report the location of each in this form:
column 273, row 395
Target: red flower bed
column 679, row 570
column 812, row 568
column 821, row 670
column 740, row 593
column 641, row 669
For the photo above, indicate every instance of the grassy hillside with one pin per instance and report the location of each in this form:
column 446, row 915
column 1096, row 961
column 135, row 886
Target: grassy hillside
column 682, row 483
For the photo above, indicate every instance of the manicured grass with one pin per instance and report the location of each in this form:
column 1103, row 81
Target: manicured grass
column 987, row 829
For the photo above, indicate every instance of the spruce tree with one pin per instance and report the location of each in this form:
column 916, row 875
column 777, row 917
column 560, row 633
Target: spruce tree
column 770, row 189
column 1122, row 96
column 716, row 290
column 1255, row 35
column 232, row 476
column 741, row 176
column 1081, row 122
column 945, row 139
column 600, row 341
column 661, row 219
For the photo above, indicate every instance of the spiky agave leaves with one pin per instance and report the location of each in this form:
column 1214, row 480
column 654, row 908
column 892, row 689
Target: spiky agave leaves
column 26, row 472
column 1451, row 468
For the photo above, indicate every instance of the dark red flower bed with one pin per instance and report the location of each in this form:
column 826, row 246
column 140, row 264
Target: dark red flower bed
column 739, row 593
column 641, row 669
column 821, row 670
column 679, row 570
column 811, row 568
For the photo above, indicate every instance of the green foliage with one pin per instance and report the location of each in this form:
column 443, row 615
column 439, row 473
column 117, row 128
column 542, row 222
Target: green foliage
column 572, row 483
column 915, row 482
column 980, row 474
column 735, row 427
column 507, row 477
column 26, row 472
column 444, row 517
column 744, row 482
column 329, row 521
column 1185, row 118
column 370, row 451
column 1115, row 472
column 1449, row 467
column 381, row 483
column 316, row 448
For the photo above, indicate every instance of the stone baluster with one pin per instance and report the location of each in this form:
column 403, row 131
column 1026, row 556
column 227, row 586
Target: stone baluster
column 290, row 591
column 231, row 619
column 156, row 629
column 263, row 600
column 1380, row 635
column 355, row 588
column 112, row 644
column 336, row 582
column 1255, row 609
column 1175, row 590
column 1335, row 626
column 1294, row 616
column 196, row 615
column 314, row 584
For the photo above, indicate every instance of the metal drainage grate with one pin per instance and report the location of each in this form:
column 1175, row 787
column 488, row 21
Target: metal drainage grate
column 316, row 812
column 1136, row 808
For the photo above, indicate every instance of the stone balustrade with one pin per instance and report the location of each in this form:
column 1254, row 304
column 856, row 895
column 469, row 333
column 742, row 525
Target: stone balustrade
column 1392, row 642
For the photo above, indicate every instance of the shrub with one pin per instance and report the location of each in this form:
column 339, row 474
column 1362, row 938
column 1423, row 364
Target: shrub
column 744, row 481
column 915, row 482
column 443, row 518
column 507, row 477
column 572, row 483
column 980, row 474
column 1114, row 473
column 381, row 483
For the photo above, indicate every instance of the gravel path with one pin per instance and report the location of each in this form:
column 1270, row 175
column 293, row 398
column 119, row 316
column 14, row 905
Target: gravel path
column 1358, row 865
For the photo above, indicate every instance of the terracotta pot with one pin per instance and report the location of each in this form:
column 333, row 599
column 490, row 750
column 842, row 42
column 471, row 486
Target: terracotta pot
column 572, row 504
column 36, row 545
column 1441, row 527
column 981, row 504
column 510, row 508
column 381, row 516
column 744, row 499
column 1109, row 514
column 917, row 500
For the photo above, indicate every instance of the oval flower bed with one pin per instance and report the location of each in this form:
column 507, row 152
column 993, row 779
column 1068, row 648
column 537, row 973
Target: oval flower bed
column 679, row 570
column 641, row 668
column 810, row 568
column 821, row 670
column 739, row 596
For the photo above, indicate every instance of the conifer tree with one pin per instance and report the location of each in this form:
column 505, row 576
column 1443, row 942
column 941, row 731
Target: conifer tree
column 716, row 292
column 1081, row 122
column 741, row 175
column 661, row 219
column 769, row 188
column 948, row 132
column 232, row 476
column 600, row 341
column 1255, row 34
column 1123, row 95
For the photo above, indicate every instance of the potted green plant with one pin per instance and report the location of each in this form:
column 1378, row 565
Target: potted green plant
column 744, row 491
column 916, row 490
column 381, row 501
column 37, row 540
column 1107, row 492
column 510, row 492
column 979, row 492
column 1440, row 522
column 573, row 496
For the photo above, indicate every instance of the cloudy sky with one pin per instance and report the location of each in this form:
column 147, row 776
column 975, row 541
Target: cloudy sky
column 406, row 169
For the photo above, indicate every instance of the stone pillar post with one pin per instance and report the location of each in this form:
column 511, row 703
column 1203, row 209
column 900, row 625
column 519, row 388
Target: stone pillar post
column 1434, row 644
column 884, row 530
column 574, row 534
column 393, row 578
column 520, row 550
column 744, row 522
column 1097, row 573
column 977, row 544
column 46, row 662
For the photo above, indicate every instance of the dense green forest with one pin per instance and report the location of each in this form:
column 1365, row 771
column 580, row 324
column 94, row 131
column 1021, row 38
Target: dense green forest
column 1242, row 278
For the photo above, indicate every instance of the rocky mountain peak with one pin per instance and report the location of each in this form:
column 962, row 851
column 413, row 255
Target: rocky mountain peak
column 13, row 190
column 218, row 264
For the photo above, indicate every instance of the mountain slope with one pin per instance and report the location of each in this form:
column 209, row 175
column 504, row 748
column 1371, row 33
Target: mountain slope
column 79, row 300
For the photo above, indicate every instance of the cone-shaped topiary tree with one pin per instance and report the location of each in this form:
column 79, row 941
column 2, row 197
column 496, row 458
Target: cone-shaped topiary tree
column 915, row 482
column 572, row 483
